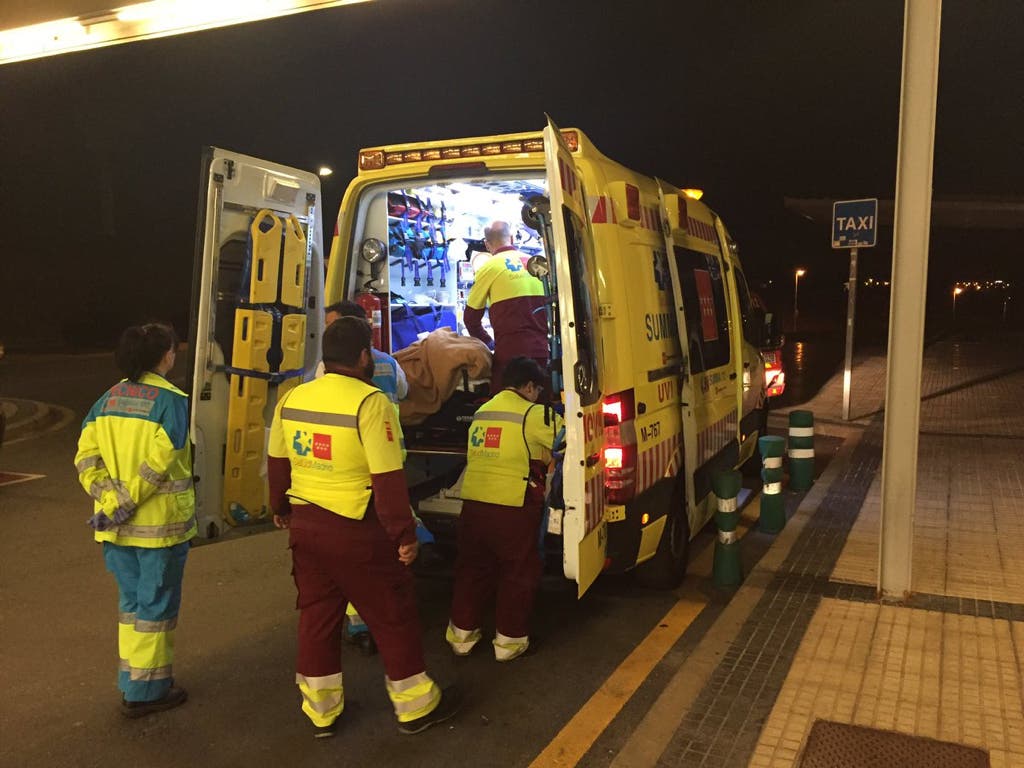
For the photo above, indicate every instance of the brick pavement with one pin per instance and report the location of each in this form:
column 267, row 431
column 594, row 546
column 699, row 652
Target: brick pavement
column 948, row 664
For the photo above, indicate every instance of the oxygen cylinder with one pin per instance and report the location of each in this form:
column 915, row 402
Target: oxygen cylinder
column 371, row 304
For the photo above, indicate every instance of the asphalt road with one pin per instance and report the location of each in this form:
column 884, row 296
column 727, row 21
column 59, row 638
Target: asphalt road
column 236, row 639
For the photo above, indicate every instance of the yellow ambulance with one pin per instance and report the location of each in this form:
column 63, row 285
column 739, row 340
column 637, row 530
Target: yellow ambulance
column 654, row 345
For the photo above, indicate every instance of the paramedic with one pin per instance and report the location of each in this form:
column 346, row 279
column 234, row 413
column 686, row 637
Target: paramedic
column 134, row 458
column 336, row 481
column 388, row 375
column 509, row 450
column 389, row 378
column 515, row 303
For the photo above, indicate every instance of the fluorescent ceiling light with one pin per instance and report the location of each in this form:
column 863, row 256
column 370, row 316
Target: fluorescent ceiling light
column 141, row 21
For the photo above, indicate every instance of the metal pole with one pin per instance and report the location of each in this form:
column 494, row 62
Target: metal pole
column 922, row 19
column 851, row 310
column 796, row 292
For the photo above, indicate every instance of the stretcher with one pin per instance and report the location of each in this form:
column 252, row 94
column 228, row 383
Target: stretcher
column 267, row 357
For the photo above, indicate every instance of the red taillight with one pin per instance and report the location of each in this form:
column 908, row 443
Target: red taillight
column 613, row 458
column 619, row 458
column 774, row 377
column 612, row 412
column 618, row 408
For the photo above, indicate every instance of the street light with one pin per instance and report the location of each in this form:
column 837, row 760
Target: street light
column 796, row 292
column 325, row 171
column 957, row 290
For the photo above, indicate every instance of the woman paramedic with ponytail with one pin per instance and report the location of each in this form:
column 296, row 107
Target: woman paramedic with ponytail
column 134, row 459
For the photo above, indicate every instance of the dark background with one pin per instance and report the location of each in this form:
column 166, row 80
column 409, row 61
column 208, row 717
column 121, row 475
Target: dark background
column 752, row 101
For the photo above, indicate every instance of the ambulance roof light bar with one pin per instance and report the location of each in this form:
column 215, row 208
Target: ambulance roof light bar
column 376, row 159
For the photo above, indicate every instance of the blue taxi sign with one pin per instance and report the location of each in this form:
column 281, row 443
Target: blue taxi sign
column 855, row 223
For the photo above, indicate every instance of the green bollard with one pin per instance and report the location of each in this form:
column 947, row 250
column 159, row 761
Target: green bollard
column 801, row 450
column 773, row 506
column 727, row 570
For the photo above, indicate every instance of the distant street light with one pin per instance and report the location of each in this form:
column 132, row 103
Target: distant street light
column 796, row 292
column 325, row 171
column 957, row 290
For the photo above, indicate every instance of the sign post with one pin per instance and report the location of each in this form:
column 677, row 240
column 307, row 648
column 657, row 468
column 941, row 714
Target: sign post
column 854, row 224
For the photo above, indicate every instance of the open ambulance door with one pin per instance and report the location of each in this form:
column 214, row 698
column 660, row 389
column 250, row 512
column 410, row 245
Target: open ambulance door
column 257, row 296
column 674, row 223
column 571, row 256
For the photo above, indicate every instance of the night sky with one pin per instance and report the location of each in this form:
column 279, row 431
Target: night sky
column 752, row 101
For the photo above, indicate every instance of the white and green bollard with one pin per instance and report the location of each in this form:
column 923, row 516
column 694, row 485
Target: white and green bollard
column 773, row 506
column 801, row 450
column 727, row 569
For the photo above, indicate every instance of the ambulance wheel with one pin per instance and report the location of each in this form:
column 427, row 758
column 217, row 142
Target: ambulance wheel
column 752, row 466
column 668, row 566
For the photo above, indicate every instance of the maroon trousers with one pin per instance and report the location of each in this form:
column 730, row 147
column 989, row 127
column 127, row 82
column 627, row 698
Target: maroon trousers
column 336, row 560
column 498, row 557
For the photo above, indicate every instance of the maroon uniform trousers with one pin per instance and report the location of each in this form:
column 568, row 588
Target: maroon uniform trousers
column 498, row 554
column 337, row 560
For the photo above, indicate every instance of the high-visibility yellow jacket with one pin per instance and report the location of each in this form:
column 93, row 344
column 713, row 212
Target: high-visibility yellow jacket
column 134, row 454
column 336, row 432
column 507, row 434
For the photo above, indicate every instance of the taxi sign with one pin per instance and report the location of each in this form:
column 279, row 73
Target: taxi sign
column 855, row 223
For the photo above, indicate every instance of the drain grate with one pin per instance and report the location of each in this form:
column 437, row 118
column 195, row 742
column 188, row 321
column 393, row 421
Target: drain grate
column 838, row 745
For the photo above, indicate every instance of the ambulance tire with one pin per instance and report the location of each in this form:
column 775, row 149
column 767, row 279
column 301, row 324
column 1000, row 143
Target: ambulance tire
column 668, row 566
column 752, row 466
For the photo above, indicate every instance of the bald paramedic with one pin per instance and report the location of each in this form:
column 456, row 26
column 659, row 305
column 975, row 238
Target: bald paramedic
column 514, row 301
column 337, row 483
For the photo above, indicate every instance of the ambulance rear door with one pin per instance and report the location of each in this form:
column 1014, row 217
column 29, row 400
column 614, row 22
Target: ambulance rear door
column 571, row 256
column 256, row 319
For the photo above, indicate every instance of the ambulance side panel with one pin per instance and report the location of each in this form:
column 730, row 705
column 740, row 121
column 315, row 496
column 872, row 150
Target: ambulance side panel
column 705, row 302
column 751, row 392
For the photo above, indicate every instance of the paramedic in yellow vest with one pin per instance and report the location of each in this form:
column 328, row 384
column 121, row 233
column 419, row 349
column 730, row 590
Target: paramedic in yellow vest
column 134, row 458
column 337, row 482
column 389, row 378
column 514, row 300
column 509, row 450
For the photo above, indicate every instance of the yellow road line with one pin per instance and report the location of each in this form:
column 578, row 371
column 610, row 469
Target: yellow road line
column 580, row 733
column 573, row 741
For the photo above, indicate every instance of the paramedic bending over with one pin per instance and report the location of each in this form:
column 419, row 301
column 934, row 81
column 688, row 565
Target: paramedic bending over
column 514, row 299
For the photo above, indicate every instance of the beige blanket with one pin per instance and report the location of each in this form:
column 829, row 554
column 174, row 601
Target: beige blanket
column 434, row 368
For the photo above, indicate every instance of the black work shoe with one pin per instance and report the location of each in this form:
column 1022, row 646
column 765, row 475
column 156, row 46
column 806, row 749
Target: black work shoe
column 447, row 707
column 325, row 731
column 363, row 641
column 174, row 697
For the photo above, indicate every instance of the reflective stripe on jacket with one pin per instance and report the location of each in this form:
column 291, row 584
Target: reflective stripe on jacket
column 507, row 433
column 134, row 456
column 336, row 431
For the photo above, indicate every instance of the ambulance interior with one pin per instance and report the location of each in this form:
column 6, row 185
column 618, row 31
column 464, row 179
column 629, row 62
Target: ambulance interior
column 434, row 244
column 433, row 235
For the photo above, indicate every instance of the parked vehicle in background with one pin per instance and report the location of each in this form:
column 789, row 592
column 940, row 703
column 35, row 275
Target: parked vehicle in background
column 771, row 347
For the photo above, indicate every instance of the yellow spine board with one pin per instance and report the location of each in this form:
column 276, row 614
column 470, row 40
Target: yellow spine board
column 243, row 459
column 293, row 264
column 253, row 332
column 293, row 349
column 266, row 258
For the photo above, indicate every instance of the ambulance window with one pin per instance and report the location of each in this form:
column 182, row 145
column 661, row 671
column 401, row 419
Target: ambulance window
column 707, row 318
column 581, row 278
column 743, row 293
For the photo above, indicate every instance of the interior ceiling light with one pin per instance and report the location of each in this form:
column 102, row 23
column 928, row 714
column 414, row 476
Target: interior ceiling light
column 141, row 21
